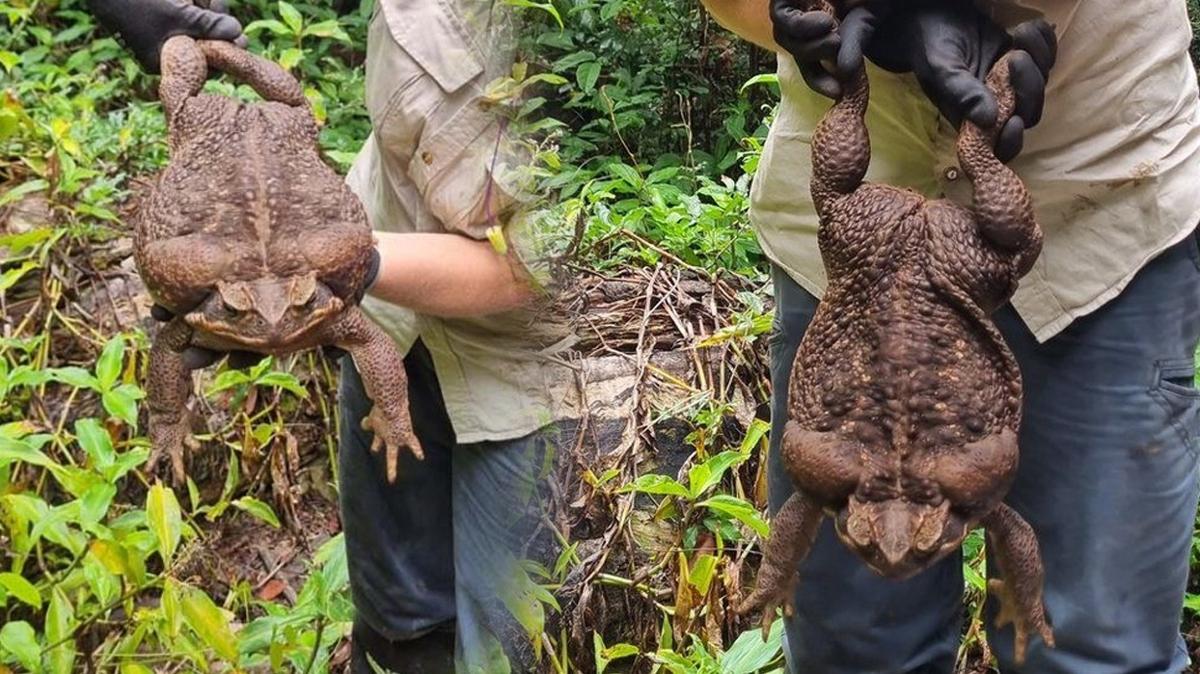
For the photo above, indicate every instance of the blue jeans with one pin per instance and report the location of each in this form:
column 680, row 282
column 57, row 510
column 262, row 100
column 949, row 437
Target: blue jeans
column 1107, row 479
column 434, row 551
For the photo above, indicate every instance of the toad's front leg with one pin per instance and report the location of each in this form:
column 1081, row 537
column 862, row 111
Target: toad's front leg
column 381, row 367
column 167, row 393
column 1015, row 549
column 793, row 530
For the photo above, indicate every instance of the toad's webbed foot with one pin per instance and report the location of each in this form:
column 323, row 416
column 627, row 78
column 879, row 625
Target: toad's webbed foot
column 381, row 367
column 793, row 530
column 1020, row 592
column 392, row 430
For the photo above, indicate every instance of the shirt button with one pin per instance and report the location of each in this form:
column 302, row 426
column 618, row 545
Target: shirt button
column 951, row 173
column 427, row 157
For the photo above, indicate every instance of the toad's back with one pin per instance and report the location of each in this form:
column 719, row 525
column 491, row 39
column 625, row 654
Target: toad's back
column 901, row 355
column 246, row 195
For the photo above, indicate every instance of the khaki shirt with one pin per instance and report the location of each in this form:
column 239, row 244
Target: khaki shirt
column 426, row 167
column 1113, row 168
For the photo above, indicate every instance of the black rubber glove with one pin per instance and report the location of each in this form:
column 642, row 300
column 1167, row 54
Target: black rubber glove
column 950, row 46
column 814, row 38
column 145, row 25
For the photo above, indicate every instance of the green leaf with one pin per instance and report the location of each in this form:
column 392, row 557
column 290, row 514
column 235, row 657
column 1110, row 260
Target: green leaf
column 627, row 174
column 121, row 402
column 327, row 28
column 23, row 189
column 208, row 622
column 700, row 575
column 9, row 278
column 19, row 639
column 21, row 589
column 283, row 380
column 20, row 450
column 112, row 556
column 587, row 74
column 290, row 58
column 94, row 503
column 750, row 653
column 266, row 24
column 704, row 476
column 739, row 510
column 95, row 441
column 165, row 520
column 655, row 484
column 108, row 365
column 258, row 509
column 60, row 621
column 291, row 16
column 75, row 376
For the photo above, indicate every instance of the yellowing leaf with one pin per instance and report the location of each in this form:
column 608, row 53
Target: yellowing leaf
column 162, row 512
column 111, row 556
column 209, row 623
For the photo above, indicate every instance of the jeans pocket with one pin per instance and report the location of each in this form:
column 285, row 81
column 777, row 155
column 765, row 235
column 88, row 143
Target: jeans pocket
column 1175, row 390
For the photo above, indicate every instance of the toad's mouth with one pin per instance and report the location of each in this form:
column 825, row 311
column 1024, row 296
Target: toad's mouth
column 269, row 315
column 898, row 538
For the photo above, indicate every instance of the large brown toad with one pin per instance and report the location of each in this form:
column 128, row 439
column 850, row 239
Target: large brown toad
column 254, row 243
column 905, row 400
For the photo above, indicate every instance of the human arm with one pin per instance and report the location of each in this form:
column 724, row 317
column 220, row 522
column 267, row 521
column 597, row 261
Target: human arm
column 448, row 275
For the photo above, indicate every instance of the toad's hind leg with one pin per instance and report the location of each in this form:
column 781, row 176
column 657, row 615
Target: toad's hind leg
column 1015, row 549
column 1002, row 205
column 268, row 78
column 381, row 367
column 793, row 530
column 167, row 390
column 184, row 70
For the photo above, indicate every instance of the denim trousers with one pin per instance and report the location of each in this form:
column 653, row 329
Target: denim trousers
column 433, row 552
column 1107, row 479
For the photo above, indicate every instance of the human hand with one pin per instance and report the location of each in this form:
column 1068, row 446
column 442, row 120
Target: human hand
column 818, row 40
column 145, row 25
column 950, row 46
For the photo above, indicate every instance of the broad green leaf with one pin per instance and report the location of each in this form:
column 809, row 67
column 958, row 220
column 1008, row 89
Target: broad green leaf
column 704, row 476
column 290, row 58
column 10, row 277
column 327, row 28
column 655, row 484
column 75, row 376
column 208, row 622
column 21, row 589
column 291, row 16
column 259, row 509
column 758, row 428
column 283, row 380
column 94, row 503
column 121, row 402
column 108, row 365
column 739, row 510
column 20, row 450
column 626, row 173
column 95, row 440
column 60, row 621
column 750, row 652
column 700, row 574
column 111, row 555
column 18, row 638
column 165, row 520
column 265, row 24
column 587, row 74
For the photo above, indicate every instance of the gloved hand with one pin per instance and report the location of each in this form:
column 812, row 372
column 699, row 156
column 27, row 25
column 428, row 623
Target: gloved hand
column 950, row 46
column 815, row 39
column 145, row 25
column 196, row 357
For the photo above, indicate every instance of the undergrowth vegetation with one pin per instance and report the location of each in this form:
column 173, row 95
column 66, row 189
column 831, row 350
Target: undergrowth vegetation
column 647, row 121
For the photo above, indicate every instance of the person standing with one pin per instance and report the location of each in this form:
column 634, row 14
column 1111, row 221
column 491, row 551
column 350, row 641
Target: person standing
column 1104, row 328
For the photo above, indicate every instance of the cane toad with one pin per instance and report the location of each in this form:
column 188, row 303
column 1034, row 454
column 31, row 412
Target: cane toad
column 254, row 244
column 905, row 401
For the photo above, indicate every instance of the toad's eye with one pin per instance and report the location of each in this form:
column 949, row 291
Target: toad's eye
column 229, row 308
